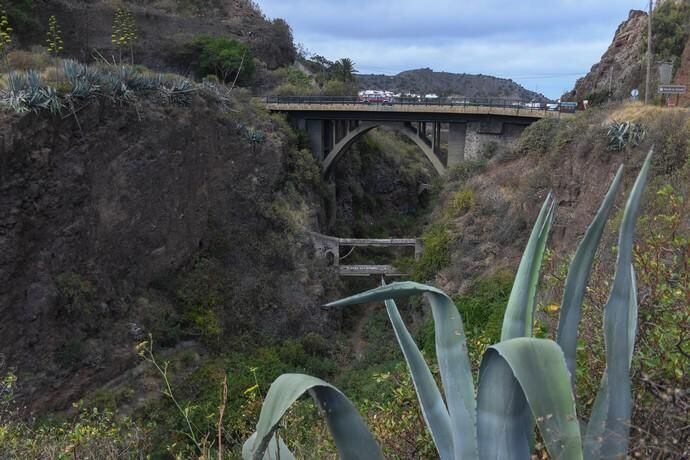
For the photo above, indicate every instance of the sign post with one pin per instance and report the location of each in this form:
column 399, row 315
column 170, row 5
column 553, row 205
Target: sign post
column 673, row 89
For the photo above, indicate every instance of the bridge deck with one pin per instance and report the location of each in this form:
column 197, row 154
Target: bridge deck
column 461, row 109
column 369, row 270
column 378, row 242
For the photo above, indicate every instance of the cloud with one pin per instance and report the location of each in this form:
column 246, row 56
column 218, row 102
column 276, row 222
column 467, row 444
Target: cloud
column 545, row 44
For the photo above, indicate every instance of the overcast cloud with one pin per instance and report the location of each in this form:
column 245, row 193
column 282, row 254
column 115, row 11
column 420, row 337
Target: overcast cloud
column 544, row 45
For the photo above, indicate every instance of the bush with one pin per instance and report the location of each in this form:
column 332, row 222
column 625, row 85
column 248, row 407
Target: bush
column 538, row 137
column 289, row 89
column 670, row 24
column 462, row 201
column 222, row 57
column 436, row 253
column 27, row 60
column 339, row 88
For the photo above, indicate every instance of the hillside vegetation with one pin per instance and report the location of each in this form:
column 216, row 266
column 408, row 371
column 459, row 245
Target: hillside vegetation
column 156, row 273
column 427, row 81
column 482, row 208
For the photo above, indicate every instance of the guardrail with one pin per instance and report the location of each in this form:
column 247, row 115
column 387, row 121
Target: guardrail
column 502, row 103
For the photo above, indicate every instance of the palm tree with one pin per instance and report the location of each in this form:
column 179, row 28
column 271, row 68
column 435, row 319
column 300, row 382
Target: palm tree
column 344, row 69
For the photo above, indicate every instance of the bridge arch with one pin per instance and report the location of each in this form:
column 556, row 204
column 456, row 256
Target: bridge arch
column 364, row 127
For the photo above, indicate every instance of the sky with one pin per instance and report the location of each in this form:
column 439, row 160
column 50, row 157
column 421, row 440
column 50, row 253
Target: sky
column 544, row 45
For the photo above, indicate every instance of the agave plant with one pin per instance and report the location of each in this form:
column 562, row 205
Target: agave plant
column 177, row 92
column 523, row 381
column 625, row 134
column 28, row 93
column 84, row 80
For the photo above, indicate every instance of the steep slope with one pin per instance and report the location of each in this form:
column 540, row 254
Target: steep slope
column 425, row 81
column 148, row 219
column 163, row 27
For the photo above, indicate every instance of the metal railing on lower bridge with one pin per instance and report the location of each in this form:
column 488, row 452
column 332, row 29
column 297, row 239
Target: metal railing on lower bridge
column 328, row 247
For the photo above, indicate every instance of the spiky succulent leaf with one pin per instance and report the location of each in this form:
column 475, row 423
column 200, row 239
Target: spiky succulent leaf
column 276, row 450
column 578, row 276
column 594, row 436
column 534, row 375
column 352, row 438
column 451, row 351
column 430, row 399
column 615, row 390
column 519, row 315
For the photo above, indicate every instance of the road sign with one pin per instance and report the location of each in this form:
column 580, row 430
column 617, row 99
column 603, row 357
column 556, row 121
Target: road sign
column 634, row 93
column 673, row 89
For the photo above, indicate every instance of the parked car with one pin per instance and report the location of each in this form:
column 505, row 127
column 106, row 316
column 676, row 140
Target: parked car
column 533, row 105
column 372, row 96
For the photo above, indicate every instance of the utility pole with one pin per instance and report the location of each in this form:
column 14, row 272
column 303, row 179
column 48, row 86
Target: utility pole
column 649, row 52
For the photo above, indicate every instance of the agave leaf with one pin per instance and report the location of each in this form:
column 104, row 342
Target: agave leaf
column 518, row 318
column 578, row 276
column 433, row 408
column 532, row 372
column 277, row 450
column 451, row 351
column 352, row 438
column 618, row 334
column 597, row 421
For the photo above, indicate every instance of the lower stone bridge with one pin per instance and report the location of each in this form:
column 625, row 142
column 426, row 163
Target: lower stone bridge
column 329, row 248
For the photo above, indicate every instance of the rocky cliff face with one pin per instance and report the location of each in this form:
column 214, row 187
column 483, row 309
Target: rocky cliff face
column 135, row 222
column 620, row 68
column 683, row 75
column 163, row 27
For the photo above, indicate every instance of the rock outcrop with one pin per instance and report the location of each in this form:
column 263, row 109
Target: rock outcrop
column 620, row 69
column 683, row 76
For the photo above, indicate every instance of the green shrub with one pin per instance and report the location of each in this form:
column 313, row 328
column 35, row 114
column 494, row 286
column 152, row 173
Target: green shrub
column 465, row 170
column 227, row 59
column 76, row 293
column 670, row 25
column 436, row 253
column 201, row 294
column 462, row 201
column 538, row 137
column 339, row 88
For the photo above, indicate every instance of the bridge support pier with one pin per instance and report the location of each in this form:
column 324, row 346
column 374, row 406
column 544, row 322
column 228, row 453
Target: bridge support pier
column 456, row 143
column 315, row 132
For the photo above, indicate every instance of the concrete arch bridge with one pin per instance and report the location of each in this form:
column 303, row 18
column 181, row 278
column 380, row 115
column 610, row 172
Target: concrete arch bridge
column 447, row 131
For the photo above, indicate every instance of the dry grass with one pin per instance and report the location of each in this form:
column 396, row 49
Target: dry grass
column 26, row 60
column 637, row 111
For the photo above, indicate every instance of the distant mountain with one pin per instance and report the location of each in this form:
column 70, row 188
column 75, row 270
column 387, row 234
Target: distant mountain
column 425, row 81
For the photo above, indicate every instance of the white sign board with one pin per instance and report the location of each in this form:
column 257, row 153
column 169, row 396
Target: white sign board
column 673, row 89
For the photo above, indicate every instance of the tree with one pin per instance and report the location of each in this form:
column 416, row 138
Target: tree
column 124, row 32
column 229, row 60
column 5, row 35
column 54, row 42
column 344, row 70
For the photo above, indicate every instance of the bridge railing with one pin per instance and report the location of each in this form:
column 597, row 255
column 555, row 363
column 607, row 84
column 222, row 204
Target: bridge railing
column 502, row 103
